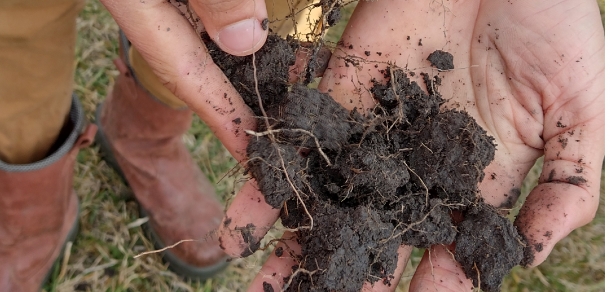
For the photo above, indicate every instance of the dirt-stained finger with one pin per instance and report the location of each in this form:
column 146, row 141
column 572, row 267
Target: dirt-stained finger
column 311, row 62
column 246, row 221
column 550, row 213
column 404, row 252
column 569, row 186
column 439, row 271
column 277, row 270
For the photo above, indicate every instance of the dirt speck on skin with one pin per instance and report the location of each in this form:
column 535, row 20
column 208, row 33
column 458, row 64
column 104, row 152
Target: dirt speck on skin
column 551, row 175
column 279, row 251
column 359, row 185
column 563, row 141
column 265, row 24
column 577, row 180
column 511, row 198
column 247, row 234
column 267, row 287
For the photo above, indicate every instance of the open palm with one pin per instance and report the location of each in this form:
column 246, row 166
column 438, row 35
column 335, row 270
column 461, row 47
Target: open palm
column 531, row 74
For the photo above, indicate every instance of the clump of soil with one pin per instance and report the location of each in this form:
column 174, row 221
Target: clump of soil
column 272, row 81
column 485, row 234
column 357, row 186
column 441, row 60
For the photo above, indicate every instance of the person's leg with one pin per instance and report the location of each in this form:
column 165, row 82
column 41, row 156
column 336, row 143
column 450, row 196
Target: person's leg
column 37, row 40
column 42, row 127
column 302, row 25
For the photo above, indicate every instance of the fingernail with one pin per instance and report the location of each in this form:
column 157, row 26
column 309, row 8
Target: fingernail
column 241, row 37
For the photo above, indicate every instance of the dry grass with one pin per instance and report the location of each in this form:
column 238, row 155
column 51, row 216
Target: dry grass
column 102, row 257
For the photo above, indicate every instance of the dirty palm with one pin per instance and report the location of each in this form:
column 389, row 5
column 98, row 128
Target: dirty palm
column 401, row 159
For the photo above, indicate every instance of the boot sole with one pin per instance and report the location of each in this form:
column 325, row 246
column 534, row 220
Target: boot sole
column 177, row 265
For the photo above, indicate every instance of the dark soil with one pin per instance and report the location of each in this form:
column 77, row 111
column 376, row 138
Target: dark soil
column 357, row 186
column 484, row 234
column 272, row 82
column 441, row 60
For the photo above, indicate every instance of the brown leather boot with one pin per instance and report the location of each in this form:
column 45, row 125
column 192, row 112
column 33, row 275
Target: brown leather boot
column 142, row 139
column 39, row 209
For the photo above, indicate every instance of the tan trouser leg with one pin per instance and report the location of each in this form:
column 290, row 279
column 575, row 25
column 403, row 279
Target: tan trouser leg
column 37, row 39
column 305, row 17
column 280, row 22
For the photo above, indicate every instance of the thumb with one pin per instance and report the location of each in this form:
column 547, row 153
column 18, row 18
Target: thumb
column 238, row 27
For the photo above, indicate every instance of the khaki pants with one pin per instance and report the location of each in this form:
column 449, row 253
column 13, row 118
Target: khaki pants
column 37, row 39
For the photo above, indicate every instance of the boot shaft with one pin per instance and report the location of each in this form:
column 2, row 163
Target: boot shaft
column 39, row 209
column 131, row 112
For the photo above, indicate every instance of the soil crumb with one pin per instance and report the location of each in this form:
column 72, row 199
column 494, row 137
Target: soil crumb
column 441, row 60
column 356, row 186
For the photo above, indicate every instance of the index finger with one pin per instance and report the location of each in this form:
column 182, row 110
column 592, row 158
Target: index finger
column 246, row 222
column 179, row 58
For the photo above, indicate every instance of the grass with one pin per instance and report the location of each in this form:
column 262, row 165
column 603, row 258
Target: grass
column 102, row 258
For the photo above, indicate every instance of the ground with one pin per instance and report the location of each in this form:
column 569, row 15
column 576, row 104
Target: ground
column 101, row 259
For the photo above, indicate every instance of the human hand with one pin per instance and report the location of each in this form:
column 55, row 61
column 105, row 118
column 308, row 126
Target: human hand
column 530, row 73
column 168, row 35
column 173, row 48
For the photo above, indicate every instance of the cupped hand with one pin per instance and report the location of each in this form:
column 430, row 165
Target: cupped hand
column 532, row 75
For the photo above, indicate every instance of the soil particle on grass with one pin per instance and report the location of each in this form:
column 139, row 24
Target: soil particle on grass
column 110, row 272
column 356, row 186
column 82, row 286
